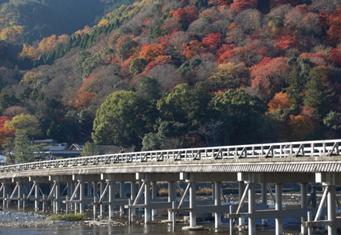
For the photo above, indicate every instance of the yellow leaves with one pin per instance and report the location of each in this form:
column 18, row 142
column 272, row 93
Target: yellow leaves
column 11, row 33
column 83, row 31
column 25, row 122
column 46, row 44
column 103, row 22
column 28, row 52
column 31, row 77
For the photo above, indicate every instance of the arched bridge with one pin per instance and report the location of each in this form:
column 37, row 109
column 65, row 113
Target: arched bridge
column 76, row 183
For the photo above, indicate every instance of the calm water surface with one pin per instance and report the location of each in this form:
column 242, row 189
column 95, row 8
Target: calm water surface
column 106, row 230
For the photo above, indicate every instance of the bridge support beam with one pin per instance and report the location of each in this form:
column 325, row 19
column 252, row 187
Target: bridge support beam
column 122, row 196
column 153, row 197
column 192, row 199
column 304, row 205
column 329, row 181
column 133, row 192
column 217, row 203
column 110, row 198
column 171, row 199
column 147, row 197
column 278, row 207
column 241, row 188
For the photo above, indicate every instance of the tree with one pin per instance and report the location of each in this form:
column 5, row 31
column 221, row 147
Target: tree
column 269, row 75
column 123, row 119
column 184, row 107
column 333, row 120
column 25, row 122
column 137, row 66
column 89, row 149
column 149, row 89
column 23, row 149
column 315, row 96
column 240, row 117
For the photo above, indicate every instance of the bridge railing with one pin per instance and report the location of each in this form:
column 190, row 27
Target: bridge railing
column 256, row 151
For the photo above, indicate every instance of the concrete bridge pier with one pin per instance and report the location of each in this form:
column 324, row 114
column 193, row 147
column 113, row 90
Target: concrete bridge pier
column 101, row 209
column 304, row 206
column 133, row 191
column 329, row 180
column 217, row 203
column 241, row 188
column 4, row 186
column 19, row 195
column 147, row 198
column 171, row 199
column 153, row 198
column 192, row 199
column 278, row 208
column 110, row 199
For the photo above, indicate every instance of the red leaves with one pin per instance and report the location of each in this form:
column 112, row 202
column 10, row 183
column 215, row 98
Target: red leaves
column 286, row 41
column 186, row 15
column 268, row 74
column 239, row 5
column 212, row 40
column 335, row 56
column 334, row 23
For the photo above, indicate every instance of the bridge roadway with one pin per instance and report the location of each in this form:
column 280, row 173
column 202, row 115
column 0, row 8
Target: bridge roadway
column 97, row 184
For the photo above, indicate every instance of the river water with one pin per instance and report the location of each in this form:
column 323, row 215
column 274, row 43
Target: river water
column 106, row 230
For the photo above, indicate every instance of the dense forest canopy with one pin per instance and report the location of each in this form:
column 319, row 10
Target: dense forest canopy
column 174, row 73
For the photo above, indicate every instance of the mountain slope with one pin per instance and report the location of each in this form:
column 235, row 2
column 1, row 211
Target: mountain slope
column 29, row 20
column 270, row 70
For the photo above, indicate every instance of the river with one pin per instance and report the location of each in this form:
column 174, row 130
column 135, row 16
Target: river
column 106, row 230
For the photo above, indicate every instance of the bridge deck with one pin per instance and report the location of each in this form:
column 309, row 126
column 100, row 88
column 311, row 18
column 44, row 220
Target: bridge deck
column 309, row 157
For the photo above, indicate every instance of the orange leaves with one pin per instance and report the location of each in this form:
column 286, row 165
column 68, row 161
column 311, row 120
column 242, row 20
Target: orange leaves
column 187, row 14
column 5, row 132
column 192, row 48
column 162, row 59
column 83, row 96
column 268, row 74
column 212, row 40
column 150, row 51
column 286, row 41
column 279, row 102
column 300, row 126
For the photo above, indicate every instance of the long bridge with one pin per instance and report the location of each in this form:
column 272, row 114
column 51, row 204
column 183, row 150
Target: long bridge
column 128, row 183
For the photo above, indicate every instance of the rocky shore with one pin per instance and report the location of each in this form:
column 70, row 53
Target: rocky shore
column 28, row 219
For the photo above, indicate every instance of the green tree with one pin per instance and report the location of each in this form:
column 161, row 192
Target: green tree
column 149, row 89
column 240, row 116
column 185, row 107
column 123, row 119
column 26, row 123
column 333, row 120
column 137, row 65
column 23, row 149
column 315, row 93
column 89, row 149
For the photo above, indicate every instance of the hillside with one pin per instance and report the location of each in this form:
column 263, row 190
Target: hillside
column 30, row 20
column 188, row 73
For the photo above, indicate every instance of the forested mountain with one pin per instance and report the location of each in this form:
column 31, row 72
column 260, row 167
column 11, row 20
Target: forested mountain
column 179, row 73
column 29, row 20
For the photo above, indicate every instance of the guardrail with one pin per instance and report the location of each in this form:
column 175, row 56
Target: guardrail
column 271, row 150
